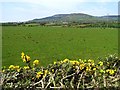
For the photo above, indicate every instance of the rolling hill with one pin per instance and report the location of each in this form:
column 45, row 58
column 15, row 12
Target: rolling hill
column 76, row 17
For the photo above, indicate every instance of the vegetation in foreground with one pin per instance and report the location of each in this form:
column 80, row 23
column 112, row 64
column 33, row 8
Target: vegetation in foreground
column 67, row 73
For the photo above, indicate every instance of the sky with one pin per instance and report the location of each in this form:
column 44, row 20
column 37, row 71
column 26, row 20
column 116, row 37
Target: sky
column 24, row 10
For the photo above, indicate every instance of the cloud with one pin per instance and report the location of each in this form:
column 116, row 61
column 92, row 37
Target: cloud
column 27, row 10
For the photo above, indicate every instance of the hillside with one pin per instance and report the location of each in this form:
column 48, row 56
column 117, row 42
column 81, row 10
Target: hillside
column 76, row 17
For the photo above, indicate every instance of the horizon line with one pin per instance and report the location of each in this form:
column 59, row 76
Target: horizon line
column 58, row 14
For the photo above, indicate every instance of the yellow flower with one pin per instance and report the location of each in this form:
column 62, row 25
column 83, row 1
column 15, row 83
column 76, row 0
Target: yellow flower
column 89, row 64
column 60, row 62
column 94, row 69
column 84, row 60
column 11, row 67
column 39, row 74
column 54, row 62
column 45, row 72
column 3, row 71
column 100, row 63
column 110, row 71
column 107, row 70
column 82, row 66
column 92, row 64
column 66, row 60
column 77, row 62
column 16, row 67
column 27, row 58
column 74, row 62
column 91, row 61
column 22, row 55
column 88, row 68
column 24, row 60
column 18, row 70
column 52, row 70
column 36, row 62
column 26, row 67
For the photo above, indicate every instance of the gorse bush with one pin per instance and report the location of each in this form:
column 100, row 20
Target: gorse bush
column 66, row 73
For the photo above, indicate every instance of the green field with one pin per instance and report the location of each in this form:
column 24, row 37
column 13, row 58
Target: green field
column 49, row 44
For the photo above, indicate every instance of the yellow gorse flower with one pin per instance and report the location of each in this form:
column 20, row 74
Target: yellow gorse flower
column 36, row 62
column 84, row 60
column 94, row 69
column 54, row 62
column 11, row 67
column 92, row 64
column 52, row 70
column 45, row 72
column 74, row 62
column 22, row 55
column 3, row 71
column 39, row 74
column 82, row 66
column 66, row 60
column 25, row 58
column 18, row 70
column 26, row 67
column 100, row 63
column 16, row 67
column 110, row 71
column 88, row 68
column 91, row 61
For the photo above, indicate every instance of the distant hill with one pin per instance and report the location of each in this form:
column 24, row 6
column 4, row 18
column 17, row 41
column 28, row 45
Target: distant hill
column 111, row 17
column 76, row 17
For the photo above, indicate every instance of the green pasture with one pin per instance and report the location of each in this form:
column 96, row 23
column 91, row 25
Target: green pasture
column 49, row 44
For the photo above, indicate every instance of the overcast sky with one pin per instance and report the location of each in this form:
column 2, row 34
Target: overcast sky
column 23, row 10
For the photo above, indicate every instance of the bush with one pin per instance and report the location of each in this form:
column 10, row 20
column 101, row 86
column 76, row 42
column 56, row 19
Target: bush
column 67, row 73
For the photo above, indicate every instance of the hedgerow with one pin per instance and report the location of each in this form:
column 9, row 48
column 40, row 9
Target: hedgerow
column 76, row 74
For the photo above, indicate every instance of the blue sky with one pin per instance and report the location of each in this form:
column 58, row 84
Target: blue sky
column 28, row 10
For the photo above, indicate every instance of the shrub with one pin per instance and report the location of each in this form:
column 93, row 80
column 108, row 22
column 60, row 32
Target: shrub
column 66, row 73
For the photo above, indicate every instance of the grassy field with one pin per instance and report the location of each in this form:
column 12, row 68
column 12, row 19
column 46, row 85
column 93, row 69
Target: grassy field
column 49, row 44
